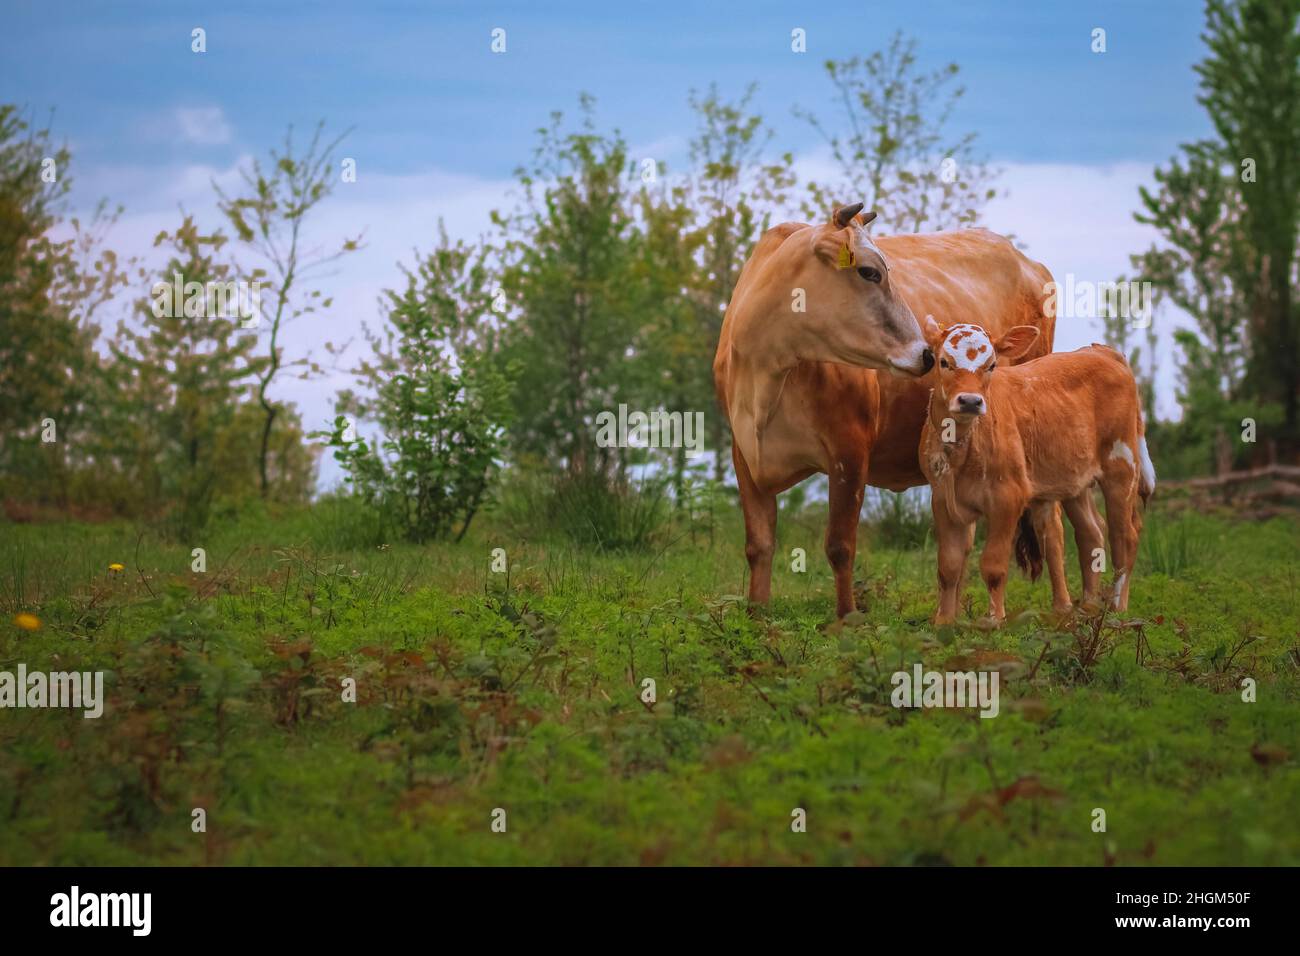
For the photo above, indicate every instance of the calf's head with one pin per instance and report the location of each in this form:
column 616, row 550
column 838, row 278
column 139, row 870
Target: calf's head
column 966, row 360
column 854, row 315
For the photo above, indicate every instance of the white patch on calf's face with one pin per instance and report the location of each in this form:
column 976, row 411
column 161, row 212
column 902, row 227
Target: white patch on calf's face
column 968, row 347
column 1121, row 451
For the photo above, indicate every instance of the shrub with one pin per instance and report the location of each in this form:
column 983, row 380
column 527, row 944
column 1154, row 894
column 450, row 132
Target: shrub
column 1171, row 547
column 439, row 397
column 898, row 520
column 589, row 508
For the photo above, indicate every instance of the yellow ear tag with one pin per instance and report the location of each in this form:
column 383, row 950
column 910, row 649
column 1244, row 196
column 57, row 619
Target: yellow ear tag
column 845, row 260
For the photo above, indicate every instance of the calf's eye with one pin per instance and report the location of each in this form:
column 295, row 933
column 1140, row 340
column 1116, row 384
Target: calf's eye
column 870, row 274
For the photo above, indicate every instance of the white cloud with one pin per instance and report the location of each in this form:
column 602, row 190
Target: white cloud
column 203, row 125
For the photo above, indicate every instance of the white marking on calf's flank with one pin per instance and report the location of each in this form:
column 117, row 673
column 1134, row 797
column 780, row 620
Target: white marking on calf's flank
column 961, row 341
column 1122, row 451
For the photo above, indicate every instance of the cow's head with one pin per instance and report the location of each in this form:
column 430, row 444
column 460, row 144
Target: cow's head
column 967, row 358
column 855, row 316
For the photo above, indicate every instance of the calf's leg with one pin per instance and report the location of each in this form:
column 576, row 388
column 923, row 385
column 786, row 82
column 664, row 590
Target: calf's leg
column 954, row 540
column 1088, row 536
column 1119, row 488
column 997, row 554
column 1046, row 517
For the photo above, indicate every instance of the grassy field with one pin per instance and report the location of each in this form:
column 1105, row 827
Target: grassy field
column 478, row 691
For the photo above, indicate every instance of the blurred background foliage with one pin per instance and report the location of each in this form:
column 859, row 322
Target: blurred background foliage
column 606, row 283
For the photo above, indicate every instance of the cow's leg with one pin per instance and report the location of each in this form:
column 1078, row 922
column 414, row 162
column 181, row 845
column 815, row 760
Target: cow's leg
column 954, row 540
column 759, row 509
column 1051, row 536
column 1119, row 488
column 846, row 488
column 1001, row 537
column 1088, row 537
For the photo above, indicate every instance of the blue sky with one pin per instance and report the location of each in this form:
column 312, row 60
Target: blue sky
column 421, row 87
column 440, row 122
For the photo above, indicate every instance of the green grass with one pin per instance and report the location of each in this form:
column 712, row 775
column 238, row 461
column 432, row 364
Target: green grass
column 479, row 691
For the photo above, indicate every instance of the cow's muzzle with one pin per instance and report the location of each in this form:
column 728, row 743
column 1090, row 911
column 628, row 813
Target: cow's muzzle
column 915, row 365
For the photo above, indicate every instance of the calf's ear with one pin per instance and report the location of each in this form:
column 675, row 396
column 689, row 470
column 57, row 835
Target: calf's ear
column 1016, row 341
column 932, row 332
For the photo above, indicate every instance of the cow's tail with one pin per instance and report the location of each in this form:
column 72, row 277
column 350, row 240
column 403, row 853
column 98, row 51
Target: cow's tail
column 1146, row 471
column 1029, row 554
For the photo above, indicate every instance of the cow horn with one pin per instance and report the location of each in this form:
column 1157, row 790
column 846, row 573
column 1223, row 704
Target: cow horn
column 844, row 215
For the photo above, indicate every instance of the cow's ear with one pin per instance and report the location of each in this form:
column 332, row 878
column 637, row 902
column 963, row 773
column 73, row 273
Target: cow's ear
column 932, row 332
column 835, row 247
column 1016, row 341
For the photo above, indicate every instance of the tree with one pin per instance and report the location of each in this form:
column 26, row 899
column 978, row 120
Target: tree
column 439, row 399
column 49, row 293
column 895, row 153
column 177, row 379
column 291, row 463
column 675, row 343
column 567, row 254
column 1202, row 265
column 1117, row 332
column 733, row 188
column 1250, row 87
column 269, row 218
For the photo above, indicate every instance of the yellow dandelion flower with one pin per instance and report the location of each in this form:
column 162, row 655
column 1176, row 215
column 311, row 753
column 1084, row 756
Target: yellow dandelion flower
column 115, row 568
column 28, row 622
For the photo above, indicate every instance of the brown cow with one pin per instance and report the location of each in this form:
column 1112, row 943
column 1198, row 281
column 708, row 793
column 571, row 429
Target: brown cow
column 816, row 312
column 998, row 440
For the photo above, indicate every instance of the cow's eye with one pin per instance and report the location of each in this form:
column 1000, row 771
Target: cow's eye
column 992, row 366
column 870, row 274
column 943, row 363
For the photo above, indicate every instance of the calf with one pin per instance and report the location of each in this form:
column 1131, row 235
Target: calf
column 1008, row 442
